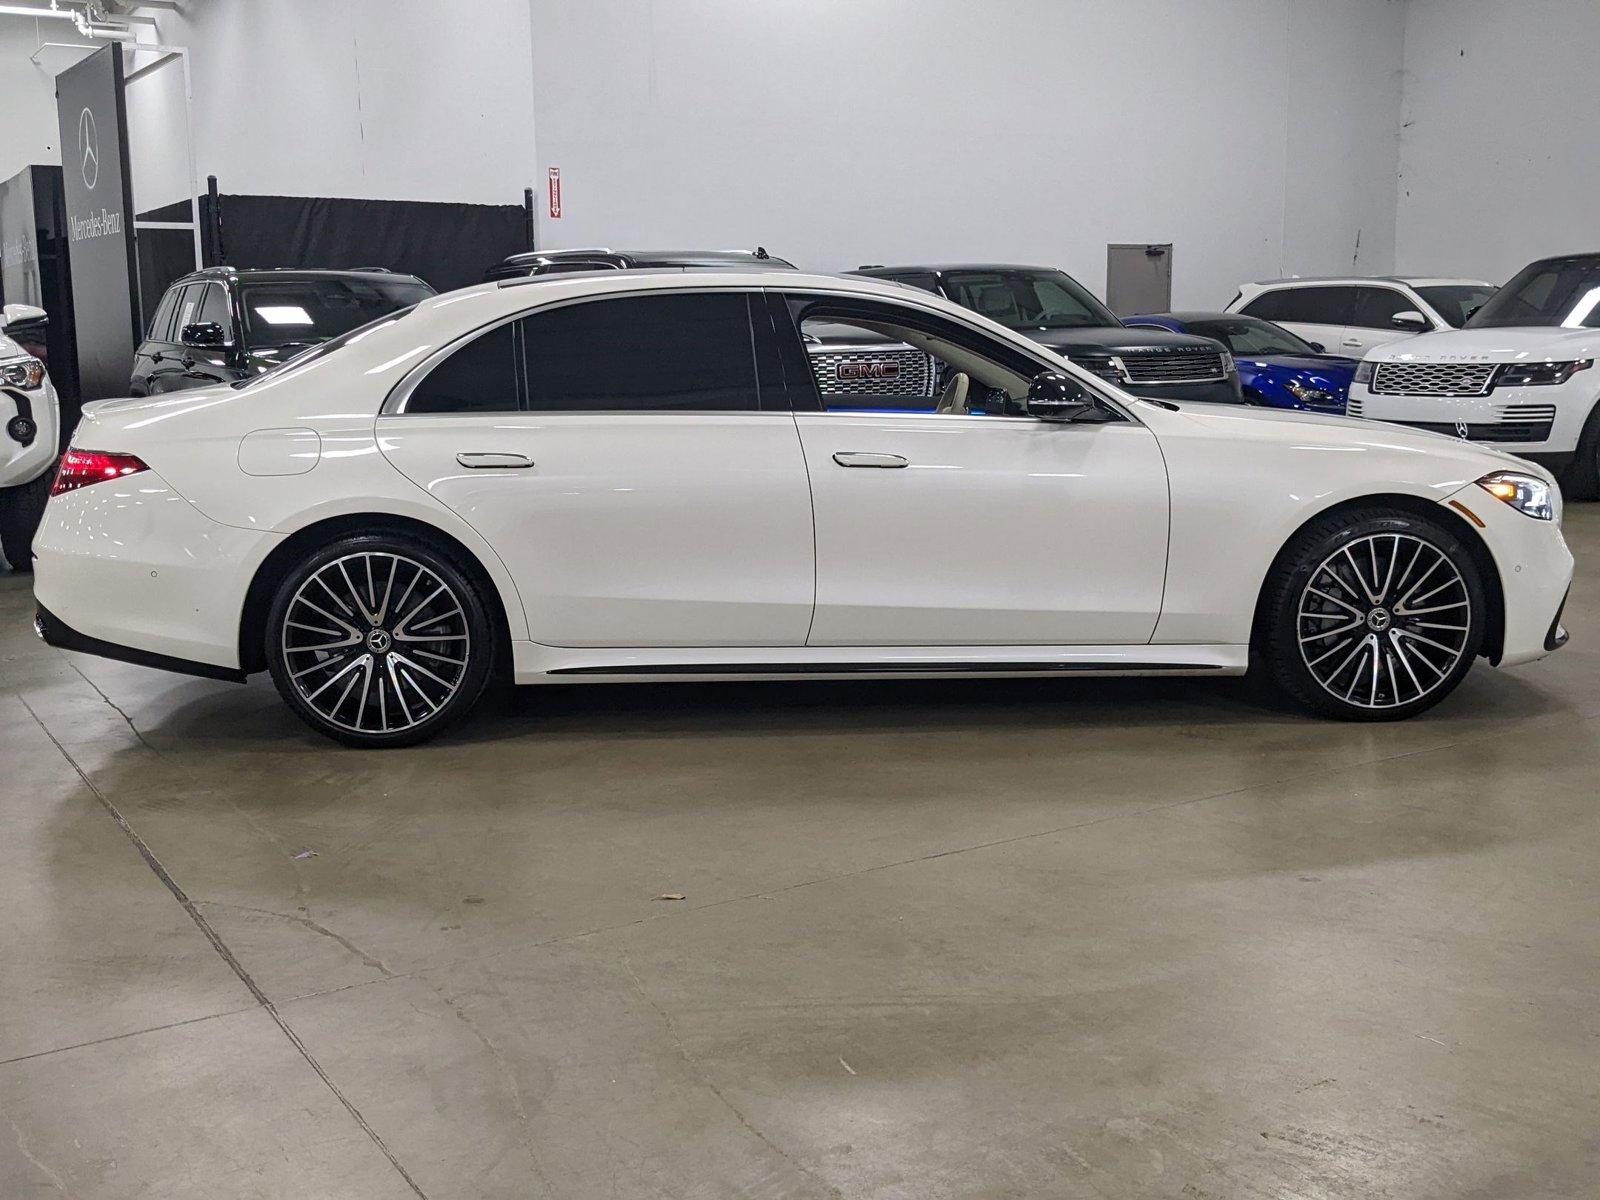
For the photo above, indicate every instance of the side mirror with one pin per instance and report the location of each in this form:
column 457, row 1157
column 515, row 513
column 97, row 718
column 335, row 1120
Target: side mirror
column 22, row 314
column 1410, row 319
column 205, row 333
column 1318, row 347
column 1056, row 396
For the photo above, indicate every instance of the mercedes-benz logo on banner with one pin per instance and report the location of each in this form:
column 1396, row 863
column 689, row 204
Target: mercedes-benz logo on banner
column 89, row 149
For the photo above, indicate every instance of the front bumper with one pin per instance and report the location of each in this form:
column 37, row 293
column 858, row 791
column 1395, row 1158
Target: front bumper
column 1535, row 573
column 1538, row 423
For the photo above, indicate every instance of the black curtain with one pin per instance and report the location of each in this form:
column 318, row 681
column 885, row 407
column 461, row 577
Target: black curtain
column 449, row 245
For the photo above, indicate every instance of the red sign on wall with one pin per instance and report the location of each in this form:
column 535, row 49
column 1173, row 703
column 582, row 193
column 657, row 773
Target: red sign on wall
column 555, row 191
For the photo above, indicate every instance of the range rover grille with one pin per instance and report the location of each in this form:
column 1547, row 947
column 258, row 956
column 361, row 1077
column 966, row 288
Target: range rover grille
column 1433, row 379
column 1181, row 366
column 890, row 372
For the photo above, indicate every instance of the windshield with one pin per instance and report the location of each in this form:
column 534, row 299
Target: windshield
column 1556, row 291
column 304, row 311
column 323, row 349
column 1029, row 299
column 1249, row 336
column 1455, row 302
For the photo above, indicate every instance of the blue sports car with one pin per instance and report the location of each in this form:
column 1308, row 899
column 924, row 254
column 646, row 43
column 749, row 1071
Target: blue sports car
column 1276, row 368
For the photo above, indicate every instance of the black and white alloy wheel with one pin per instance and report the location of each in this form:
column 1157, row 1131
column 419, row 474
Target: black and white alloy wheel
column 378, row 641
column 1374, row 616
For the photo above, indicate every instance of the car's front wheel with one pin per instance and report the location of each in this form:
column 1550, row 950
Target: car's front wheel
column 379, row 640
column 1372, row 615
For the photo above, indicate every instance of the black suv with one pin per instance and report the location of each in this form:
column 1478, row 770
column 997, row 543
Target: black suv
column 224, row 324
column 557, row 262
column 1055, row 310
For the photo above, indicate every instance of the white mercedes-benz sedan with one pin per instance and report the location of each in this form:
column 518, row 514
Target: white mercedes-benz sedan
column 635, row 476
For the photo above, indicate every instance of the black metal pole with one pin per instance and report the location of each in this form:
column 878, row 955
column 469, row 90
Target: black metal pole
column 527, row 216
column 215, row 249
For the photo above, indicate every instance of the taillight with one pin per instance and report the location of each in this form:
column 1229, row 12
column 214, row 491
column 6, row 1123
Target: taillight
column 80, row 468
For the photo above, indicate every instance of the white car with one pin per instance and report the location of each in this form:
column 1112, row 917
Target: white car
column 636, row 477
column 30, row 432
column 1520, row 375
column 1350, row 315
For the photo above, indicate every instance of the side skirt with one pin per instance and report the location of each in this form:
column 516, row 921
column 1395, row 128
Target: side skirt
column 547, row 664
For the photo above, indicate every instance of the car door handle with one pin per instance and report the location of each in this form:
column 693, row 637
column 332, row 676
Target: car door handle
column 867, row 458
column 1352, row 341
column 492, row 460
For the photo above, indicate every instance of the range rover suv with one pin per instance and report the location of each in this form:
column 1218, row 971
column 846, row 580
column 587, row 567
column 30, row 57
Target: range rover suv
column 1352, row 314
column 222, row 324
column 1055, row 310
column 1520, row 375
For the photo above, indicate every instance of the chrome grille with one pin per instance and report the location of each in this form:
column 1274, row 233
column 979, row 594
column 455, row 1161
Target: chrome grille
column 1528, row 413
column 899, row 371
column 1432, row 379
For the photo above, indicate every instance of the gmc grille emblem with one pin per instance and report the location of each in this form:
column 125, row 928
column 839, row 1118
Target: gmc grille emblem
column 868, row 370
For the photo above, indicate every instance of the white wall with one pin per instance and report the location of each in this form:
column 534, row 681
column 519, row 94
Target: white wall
column 373, row 99
column 29, row 133
column 837, row 132
column 1500, row 140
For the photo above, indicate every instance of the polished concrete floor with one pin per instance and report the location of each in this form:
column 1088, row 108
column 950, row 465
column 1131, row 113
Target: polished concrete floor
column 1066, row 939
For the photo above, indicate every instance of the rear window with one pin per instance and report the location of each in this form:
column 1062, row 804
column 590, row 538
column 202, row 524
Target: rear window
column 291, row 312
column 295, row 361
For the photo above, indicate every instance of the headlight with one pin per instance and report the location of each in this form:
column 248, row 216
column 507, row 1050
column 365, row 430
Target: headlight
column 1363, row 372
column 24, row 373
column 1528, row 494
column 1227, row 363
column 1535, row 374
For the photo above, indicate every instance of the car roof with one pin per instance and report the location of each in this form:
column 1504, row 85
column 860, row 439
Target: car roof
column 1407, row 280
column 942, row 267
column 650, row 258
column 255, row 274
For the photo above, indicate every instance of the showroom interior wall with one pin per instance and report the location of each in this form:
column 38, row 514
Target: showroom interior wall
column 1500, row 134
column 28, row 128
column 837, row 132
column 425, row 100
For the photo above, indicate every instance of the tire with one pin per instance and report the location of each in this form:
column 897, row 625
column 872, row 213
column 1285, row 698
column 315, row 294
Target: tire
column 1581, row 479
column 1372, row 615
column 347, row 649
column 21, row 509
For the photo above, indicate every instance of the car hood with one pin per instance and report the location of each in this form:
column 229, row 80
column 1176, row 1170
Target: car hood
column 1316, row 366
column 1116, row 339
column 1511, row 344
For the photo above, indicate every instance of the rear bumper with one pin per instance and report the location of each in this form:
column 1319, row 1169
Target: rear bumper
column 129, row 568
column 58, row 633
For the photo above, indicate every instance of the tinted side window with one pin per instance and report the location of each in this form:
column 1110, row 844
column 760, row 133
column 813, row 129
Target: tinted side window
column 1313, row 305
column 917, row 279
column 479, row 377
column 162, row 321
column 1375, row 305
column 642, row 353
column 214, row 309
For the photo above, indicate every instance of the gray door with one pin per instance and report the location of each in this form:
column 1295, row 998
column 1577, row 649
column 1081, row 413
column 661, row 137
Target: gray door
column 1139, row 278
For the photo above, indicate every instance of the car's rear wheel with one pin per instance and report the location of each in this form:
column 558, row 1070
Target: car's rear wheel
column 20, row 511
column 379, row 641
column 1373, row 615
